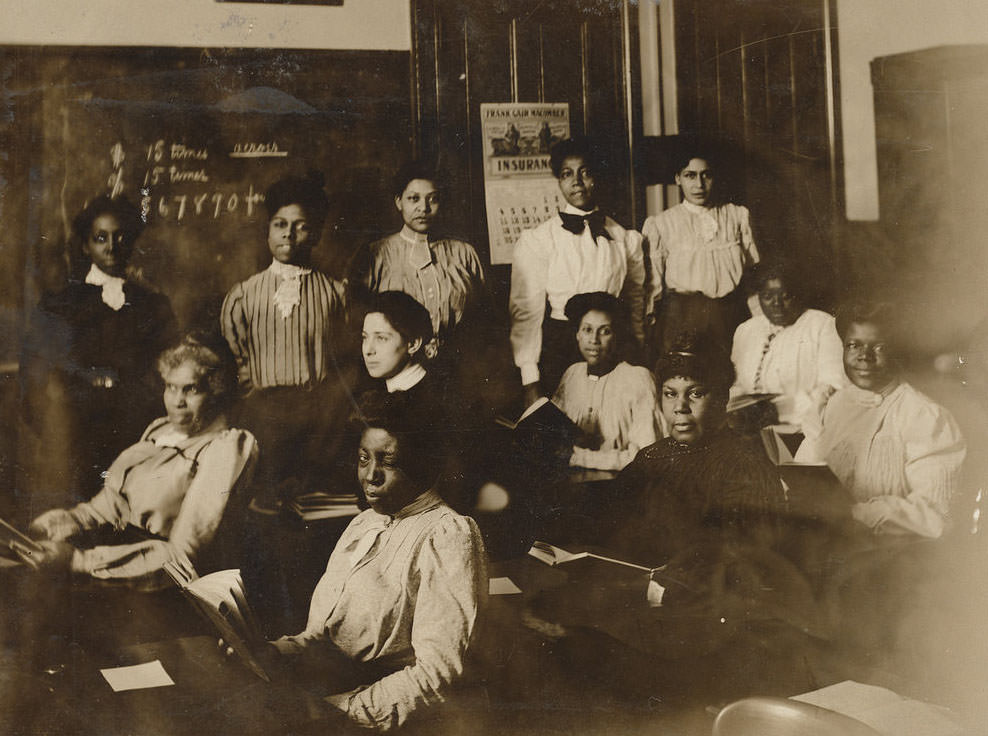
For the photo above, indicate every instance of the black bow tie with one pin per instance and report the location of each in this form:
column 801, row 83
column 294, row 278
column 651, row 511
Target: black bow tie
column 594, row 220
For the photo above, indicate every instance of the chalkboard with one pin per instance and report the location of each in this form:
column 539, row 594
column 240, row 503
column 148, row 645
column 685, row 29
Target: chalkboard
column 195, row 137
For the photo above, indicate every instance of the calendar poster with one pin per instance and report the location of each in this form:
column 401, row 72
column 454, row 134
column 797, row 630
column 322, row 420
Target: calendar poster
column 520, row 190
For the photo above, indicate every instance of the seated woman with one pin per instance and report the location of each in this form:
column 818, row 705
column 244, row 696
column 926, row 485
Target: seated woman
column 898, row 452
column 394, row 616
column 706, row 507
column 397, row 341
column 167, row 495
column 788, row 349
column 613, row 403
column 576, row 251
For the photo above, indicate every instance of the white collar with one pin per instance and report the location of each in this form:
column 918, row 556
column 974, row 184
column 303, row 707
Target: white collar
column 406, row 378
column 418, row 252
column 571, row 210
column 288, row 270
column 168, row 436
column 112, row 287
column 413, row 237
column 696, row 209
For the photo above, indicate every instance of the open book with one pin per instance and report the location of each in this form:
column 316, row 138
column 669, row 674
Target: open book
column 743, row 401
column 221, row 599
column 11, row 537
column 582, row 564
column 814, row 492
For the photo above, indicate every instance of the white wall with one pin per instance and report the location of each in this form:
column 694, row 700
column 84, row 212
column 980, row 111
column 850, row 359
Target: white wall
column 868, row 29
column 357, row 24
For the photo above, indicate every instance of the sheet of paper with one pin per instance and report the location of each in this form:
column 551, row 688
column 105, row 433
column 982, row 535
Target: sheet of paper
column 137, row 676
column 503, row 586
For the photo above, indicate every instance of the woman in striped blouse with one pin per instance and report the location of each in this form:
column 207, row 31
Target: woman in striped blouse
column 287, row 328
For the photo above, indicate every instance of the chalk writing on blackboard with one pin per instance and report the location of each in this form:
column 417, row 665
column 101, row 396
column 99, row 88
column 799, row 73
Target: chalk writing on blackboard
column 257, row 150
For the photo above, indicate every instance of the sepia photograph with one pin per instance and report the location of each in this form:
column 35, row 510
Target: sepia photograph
column 528, row 367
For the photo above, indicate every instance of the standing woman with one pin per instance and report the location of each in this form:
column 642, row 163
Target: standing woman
column 87, row 367
column 442, row 274
column 287, row 328
column 580, row 250
column 699, row 251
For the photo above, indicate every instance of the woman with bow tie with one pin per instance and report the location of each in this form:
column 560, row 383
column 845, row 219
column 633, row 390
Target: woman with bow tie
column 87, row 368
column 579, row 250
column 287, row 328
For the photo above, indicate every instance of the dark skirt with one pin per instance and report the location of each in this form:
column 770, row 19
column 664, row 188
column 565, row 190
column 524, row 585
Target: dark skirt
column 715, row 319
column 559, row 352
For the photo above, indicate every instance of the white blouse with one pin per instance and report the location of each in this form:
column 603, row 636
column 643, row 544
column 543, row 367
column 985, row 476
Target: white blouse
column 802, row 362
column 697, row 249
column 552, row 264
column 899, row 454
column 620, row 408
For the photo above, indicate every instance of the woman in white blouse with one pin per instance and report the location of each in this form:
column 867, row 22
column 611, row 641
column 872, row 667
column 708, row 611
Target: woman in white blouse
column 788, row 349
column 576, row 251
column 396, row 613
column 699, row 251
column 613, row 403
column 898, row 452
column 164, row 497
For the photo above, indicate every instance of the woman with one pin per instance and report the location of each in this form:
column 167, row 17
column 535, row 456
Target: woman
column 787, row 350
column 397, row 342
column 86, row 368
column 577, row 251
column 394, row 616
column 165, row 496
column 443, row 274
column 614, row 404
column 898, row 452
column 699, row 252
column 287, row 328
column 706, row 508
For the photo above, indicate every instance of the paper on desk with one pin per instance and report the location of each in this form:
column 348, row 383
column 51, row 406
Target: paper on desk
column 884, row 710
column 503, row 586
column 137, row 676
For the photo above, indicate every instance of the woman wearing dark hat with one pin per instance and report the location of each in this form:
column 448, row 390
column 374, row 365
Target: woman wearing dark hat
column 612, row 402
column 87, row 367
column 287, row 327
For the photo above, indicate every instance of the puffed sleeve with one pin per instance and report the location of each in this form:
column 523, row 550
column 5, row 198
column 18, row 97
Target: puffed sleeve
column 934, row 454
column 236, row 330
column 451, row 595
column 633, row 291
column 657, row 254
column 526, row 303
column 222, row 468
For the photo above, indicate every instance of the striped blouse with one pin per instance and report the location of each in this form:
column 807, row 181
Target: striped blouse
column 276, row 350
column 445, row 276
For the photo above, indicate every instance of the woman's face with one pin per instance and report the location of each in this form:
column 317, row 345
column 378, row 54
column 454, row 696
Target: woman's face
column 690, row 409
column 576, row 182
column 187, row 399
column 387, row 488
column 106, row 245
column 696, row 182
column 384, row 349
column 595, row 339
column 868, row 360
column 419, row 205
column 290, row 237
column 780, row 306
